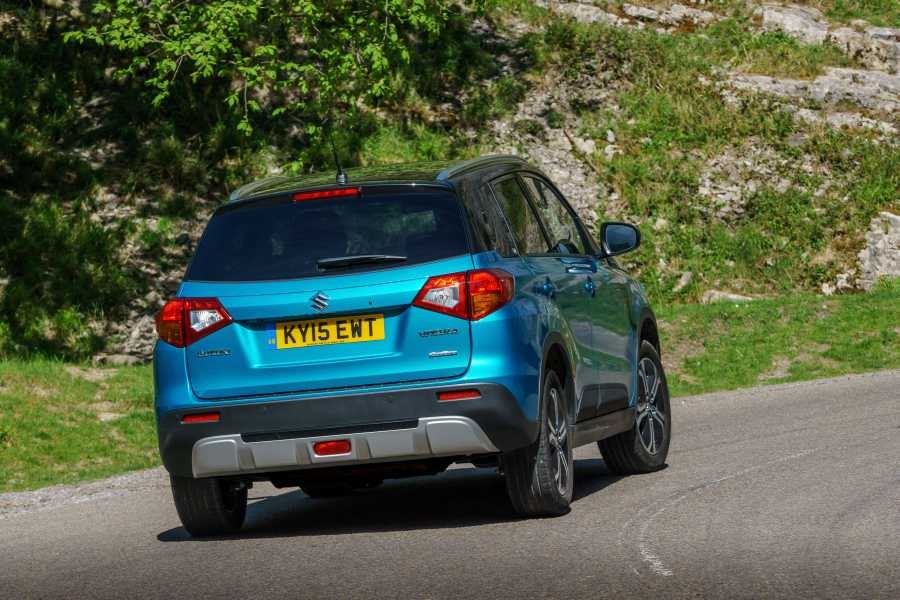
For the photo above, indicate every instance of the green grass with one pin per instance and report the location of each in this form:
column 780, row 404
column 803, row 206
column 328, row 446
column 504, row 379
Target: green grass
column 885, row 13
column 797, row 337
column 52, row 428
column 64, row 423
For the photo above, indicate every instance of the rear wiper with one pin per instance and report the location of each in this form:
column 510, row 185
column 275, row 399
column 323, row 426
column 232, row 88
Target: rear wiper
column 359, row 259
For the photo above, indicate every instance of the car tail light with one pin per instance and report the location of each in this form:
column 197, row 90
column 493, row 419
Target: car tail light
column 183, row 321
column 332, row 447
column 212, row 417
column 445, row 294
column 458, row 395
column 334, row 193
column 488, row 290
column 470, row 295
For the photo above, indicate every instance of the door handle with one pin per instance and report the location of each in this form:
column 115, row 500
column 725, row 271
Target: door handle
column 579, row 268
column 589, row 287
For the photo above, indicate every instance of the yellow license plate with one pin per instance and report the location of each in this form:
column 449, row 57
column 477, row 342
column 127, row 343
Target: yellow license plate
column 322, row 332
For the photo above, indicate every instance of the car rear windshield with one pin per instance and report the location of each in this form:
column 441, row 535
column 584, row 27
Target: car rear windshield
column 282, row 239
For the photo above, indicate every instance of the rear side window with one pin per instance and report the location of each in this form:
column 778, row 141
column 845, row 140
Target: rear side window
column 286, row 240
column 489, row 223
column 524, row 225
column 565, row 236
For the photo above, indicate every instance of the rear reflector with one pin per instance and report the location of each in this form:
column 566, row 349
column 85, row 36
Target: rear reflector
column 332, row 447
column 459, row 395
column 335, row 193
column 201, row 418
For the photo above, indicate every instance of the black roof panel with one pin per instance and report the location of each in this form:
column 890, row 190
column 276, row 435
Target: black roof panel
column 418, row 172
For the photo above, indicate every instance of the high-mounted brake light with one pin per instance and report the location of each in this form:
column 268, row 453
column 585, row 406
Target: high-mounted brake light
column 470, row 295
column 335, row 193
column 183, row 321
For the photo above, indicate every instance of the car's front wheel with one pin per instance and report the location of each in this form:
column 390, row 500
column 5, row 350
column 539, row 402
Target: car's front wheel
column 644, row 447
column 539, row 477
column 210, row 506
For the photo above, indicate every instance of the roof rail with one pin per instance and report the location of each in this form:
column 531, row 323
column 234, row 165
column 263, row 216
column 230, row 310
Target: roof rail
column 462, row 166
column 248, row 188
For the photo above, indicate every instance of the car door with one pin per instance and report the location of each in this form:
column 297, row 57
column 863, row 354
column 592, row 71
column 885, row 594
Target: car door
column 561, row 277
column 604, row 305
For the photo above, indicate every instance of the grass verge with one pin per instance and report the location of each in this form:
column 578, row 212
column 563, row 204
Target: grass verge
column 63, row 423
column 797, row 337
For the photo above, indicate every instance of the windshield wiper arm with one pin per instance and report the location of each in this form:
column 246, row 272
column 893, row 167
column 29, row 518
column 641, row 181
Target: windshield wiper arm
column 359, row 259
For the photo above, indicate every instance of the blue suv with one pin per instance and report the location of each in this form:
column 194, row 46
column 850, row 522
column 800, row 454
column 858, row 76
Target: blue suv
column 331, row 335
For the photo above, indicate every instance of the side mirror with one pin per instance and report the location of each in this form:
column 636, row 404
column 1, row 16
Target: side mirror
column 619, row 238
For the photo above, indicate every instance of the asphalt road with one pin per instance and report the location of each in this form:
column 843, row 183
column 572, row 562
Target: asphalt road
column 785, row 491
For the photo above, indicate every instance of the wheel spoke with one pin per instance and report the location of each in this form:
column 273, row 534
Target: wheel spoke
column 652, row 448
column 643, row 376
column 562, row 435
column 660, row 435
column 558, row 472
column 642, row 417
column 659, row 418
column 564, row 479
column 642, row 423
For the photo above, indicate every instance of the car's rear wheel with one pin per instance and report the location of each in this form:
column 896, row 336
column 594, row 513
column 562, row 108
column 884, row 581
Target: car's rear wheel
column 210, row 506
column 539, row 477
column 644, row 447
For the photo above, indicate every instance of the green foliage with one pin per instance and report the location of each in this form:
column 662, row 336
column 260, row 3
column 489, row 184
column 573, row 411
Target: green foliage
column 63, row 269
column 314, row 56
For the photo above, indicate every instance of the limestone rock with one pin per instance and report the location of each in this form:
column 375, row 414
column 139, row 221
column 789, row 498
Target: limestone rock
column 640, row 12
column 679, row 13
column 585, row 13
column 683, row 281
column 710, row 296
column 117, row 359
column 873, row 90
column 876, row 47
column 802, row 22
column 881, row 256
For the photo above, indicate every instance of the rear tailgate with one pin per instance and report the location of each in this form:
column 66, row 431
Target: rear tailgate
column 327, row 331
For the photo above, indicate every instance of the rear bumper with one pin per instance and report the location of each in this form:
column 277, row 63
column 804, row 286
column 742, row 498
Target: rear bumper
column 382, row 426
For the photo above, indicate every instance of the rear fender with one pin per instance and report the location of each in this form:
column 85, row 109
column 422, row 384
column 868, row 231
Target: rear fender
column 566, row 343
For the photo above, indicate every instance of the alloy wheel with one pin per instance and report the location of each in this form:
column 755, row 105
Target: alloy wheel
column 651, row 416
column 558, row 434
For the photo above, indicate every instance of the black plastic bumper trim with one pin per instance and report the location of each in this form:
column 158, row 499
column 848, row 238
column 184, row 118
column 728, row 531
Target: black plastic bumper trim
column 303, row 433
column 497, row 412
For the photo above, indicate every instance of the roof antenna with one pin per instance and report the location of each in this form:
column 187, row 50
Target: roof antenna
column 341, row 175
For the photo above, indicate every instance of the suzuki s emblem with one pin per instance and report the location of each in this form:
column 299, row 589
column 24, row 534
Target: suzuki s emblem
column 319, row 302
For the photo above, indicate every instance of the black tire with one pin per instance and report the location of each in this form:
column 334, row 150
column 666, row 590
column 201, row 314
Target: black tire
column 531, row 472
column 209, row 507
column 639, row 450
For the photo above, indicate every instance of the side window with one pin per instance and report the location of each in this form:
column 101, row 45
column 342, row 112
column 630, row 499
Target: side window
column 488, row 221
column 561, row 227
column 524, row 225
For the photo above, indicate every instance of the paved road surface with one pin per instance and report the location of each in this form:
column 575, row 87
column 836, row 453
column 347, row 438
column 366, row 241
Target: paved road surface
column 786, row 491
